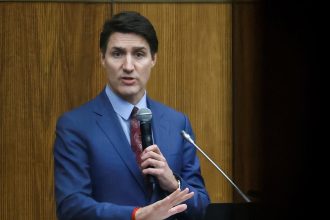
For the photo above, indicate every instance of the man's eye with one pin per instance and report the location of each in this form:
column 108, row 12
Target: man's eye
column 116, row 54
column 139, row 54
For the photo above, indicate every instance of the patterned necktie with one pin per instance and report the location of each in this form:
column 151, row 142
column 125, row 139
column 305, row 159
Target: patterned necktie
column 135, row 131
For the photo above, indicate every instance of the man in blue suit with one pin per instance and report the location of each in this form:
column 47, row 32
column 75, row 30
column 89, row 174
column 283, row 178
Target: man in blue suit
column 97, row 175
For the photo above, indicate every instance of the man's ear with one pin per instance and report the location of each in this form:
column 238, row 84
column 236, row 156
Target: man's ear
column 102, row 59
column 154, row 59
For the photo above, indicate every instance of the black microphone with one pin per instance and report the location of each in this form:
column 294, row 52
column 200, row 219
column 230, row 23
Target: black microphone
column 144, row 115
column 190, row 140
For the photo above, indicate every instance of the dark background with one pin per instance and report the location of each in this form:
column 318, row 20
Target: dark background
column 290, row 110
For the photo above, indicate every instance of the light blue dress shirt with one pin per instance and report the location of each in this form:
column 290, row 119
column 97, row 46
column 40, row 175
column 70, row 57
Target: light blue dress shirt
column 124, row 109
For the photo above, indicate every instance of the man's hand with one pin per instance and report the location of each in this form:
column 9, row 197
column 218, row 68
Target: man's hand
column 154, row 163
column 166, row 207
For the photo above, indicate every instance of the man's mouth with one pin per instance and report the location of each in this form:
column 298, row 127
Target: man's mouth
column 128, row 80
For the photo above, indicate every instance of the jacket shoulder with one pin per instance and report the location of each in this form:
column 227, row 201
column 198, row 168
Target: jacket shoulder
column 80, row 113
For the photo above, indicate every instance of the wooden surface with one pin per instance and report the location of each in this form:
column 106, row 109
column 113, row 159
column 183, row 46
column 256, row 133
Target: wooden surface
column 50, row 63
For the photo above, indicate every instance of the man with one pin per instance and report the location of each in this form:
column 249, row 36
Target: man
column 98, row 174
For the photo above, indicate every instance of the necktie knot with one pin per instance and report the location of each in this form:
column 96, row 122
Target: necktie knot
column 134, row 111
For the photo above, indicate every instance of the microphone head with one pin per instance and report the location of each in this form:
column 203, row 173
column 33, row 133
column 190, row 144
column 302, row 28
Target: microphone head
column 144, row 115
column 186, row 136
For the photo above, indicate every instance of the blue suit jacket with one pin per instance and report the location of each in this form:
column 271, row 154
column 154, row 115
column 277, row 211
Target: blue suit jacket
column 96, row 174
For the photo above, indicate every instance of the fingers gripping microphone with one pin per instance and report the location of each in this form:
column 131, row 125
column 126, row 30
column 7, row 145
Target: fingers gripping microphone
column 144, row 115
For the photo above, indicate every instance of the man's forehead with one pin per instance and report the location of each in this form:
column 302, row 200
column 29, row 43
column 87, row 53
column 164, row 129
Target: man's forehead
column 127, row 39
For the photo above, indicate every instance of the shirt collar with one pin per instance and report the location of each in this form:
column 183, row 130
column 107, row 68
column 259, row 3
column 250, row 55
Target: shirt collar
column 122, row 107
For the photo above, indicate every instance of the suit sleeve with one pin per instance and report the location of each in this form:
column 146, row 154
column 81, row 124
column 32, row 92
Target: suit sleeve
column 190, row 177
column 73, row 187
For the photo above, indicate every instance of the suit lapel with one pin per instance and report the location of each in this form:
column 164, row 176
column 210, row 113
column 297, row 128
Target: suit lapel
column 161, row 132
column 111, row 127
column 160, row 125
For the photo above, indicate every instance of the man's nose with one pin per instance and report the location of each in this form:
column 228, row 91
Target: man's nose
column 128, row 65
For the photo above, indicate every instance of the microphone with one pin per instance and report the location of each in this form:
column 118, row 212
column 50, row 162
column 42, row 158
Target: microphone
column 189, row 139
column 144, row 115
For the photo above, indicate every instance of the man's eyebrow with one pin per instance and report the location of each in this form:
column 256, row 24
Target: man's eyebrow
column 139, row 48
column 118, row 48
column 124, row 49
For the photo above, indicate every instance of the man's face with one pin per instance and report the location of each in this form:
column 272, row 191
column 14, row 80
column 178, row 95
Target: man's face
column 128, row 63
